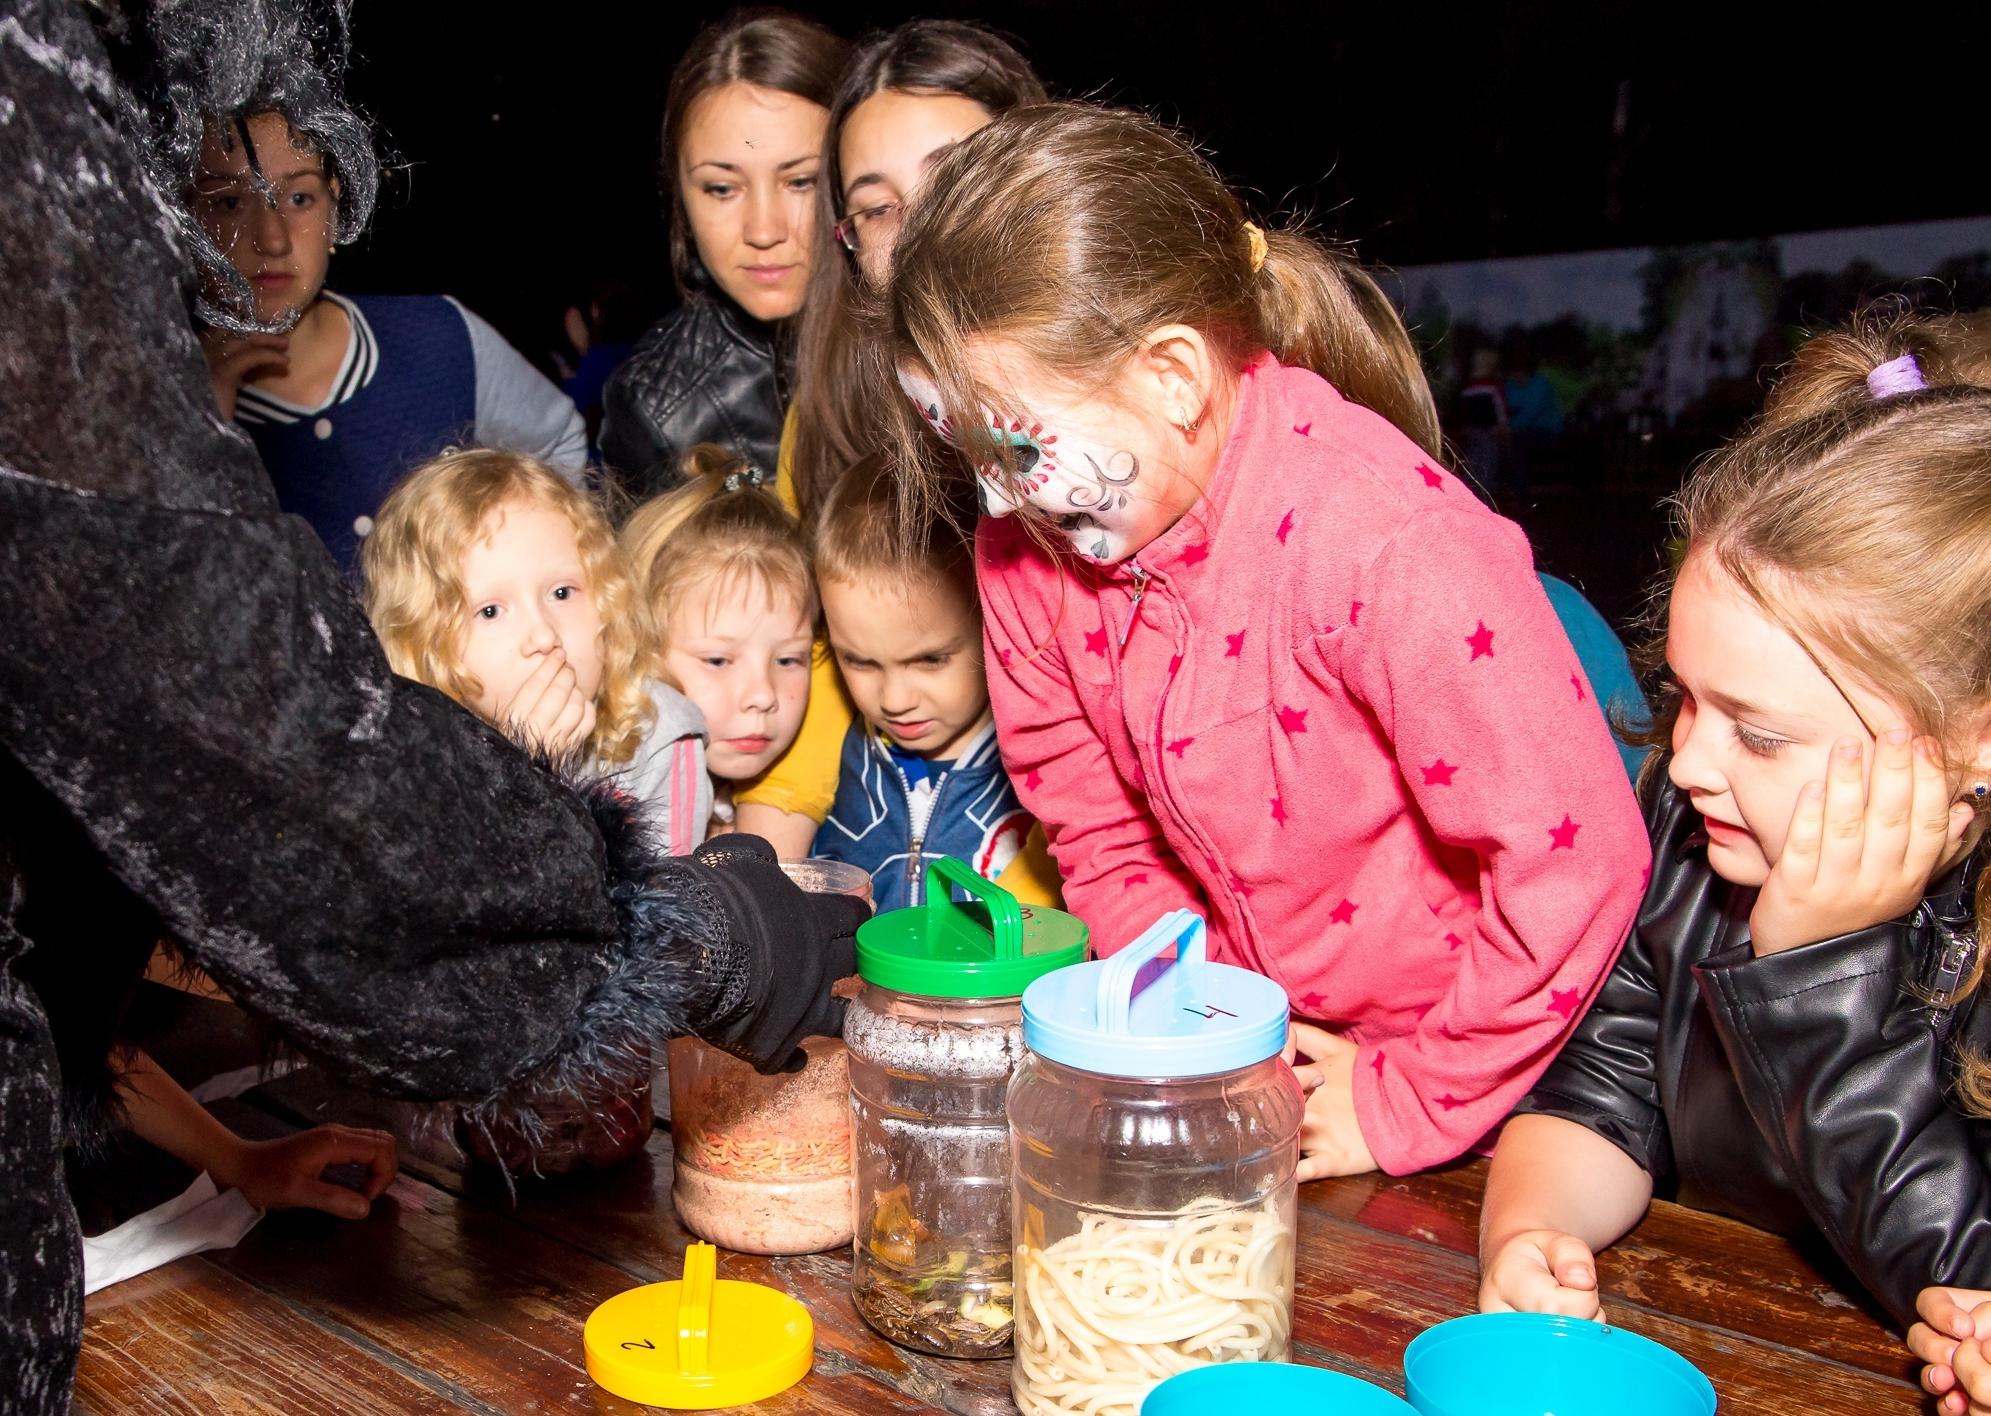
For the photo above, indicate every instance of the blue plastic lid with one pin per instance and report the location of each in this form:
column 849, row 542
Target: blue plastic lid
column 1271, row 1387
column 1140, row 1015
column 1541, row 1364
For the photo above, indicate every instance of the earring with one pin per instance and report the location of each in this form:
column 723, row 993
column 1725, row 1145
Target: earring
column 1981, row 790
column 1183, row 421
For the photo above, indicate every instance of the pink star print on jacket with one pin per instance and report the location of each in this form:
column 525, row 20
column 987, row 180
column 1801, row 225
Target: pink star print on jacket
column 1452, row 854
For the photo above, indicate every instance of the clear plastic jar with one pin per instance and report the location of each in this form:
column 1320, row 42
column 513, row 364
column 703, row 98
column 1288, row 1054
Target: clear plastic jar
column 928, row 1078
column 933, row 1039
column 762, row 1163
column 1154, row 1216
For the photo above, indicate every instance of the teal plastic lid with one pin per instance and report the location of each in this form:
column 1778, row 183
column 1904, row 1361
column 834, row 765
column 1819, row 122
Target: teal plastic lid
column 1140, row 1015
column 942, row 949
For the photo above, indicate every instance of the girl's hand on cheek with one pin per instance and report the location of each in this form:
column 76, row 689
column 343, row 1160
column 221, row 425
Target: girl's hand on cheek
column 1330, row 1138
column 1859, row 854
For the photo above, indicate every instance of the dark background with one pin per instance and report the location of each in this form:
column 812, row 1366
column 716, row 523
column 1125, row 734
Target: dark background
column 526, row 148
column 1424, row 132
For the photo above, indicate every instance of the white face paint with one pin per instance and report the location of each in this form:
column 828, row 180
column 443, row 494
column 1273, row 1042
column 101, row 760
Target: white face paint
column 1079, row 468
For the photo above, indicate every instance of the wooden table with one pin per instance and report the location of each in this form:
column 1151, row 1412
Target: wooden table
column 452, row 1298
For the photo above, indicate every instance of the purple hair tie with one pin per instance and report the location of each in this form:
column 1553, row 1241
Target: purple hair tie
column 1896, row 377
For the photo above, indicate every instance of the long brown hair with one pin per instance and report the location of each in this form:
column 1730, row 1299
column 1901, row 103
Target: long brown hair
column 770, row 49
column 1861, row 523
column 845, row 390
column 1073, row 230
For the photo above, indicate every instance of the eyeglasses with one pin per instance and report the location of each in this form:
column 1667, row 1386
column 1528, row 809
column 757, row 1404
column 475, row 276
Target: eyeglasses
column 872, row 222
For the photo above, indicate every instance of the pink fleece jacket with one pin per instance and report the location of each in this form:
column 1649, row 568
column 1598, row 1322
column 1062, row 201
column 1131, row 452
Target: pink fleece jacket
column 1332, row 709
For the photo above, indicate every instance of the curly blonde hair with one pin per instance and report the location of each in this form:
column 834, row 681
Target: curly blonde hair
column 412, row 565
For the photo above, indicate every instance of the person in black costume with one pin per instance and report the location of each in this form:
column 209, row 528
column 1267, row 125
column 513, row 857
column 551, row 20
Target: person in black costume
column 199, row 737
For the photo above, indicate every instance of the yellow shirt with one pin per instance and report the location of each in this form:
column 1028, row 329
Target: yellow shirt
column 804, row 779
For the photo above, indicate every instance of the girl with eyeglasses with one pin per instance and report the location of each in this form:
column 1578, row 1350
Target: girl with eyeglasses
column 907, row 96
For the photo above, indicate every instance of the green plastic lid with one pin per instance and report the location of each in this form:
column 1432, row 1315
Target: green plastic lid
column 946, row 950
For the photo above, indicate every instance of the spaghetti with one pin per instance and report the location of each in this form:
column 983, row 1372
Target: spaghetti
column 749, row 1153
column 1106, row 1313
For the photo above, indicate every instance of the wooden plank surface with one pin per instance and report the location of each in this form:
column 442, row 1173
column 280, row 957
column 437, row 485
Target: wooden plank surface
column 459, row 1295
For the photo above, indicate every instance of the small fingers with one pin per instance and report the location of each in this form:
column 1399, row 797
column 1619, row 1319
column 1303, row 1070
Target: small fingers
column 331, row 1199
column 1523, row 1276
column 1798, row 862
column 1317, row 1044
column 1932, row 1345
column 1572, row 1263
column 1973, row 1371
column 1845, row 811
column 1941, row 1310
column 1890, row 802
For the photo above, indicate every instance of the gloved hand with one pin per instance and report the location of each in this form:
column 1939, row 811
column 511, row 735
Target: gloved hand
column 795, row 945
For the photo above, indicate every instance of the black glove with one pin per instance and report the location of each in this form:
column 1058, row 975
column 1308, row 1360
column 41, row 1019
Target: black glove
column 795, row 945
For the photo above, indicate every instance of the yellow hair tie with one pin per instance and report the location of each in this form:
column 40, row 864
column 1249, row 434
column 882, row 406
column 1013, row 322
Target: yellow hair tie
column 1257, row 240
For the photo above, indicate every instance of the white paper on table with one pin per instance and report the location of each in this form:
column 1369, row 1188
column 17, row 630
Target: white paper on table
column 192, row 1223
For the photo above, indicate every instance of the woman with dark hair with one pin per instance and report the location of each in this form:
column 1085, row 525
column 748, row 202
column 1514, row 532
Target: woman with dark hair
column 907, row 95
column 742, row 149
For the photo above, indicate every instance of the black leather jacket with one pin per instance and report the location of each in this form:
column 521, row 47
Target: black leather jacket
column 706, row 372
column 1804, row 1090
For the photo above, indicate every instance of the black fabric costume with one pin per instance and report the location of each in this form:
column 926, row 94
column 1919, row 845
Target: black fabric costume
column 1805, row 1090
column 199, row 738
column 705, row 372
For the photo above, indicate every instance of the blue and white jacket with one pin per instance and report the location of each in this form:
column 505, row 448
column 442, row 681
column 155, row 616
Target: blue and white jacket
column 892, row 827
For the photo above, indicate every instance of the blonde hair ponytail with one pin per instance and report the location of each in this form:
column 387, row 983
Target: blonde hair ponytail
column 726, row 521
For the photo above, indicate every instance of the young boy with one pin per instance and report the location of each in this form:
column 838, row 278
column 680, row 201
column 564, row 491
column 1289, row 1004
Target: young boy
column 921, row 777
column 358, row 390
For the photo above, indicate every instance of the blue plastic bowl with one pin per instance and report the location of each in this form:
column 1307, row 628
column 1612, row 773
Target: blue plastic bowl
column 1533, row 1364
column 1274, row 1387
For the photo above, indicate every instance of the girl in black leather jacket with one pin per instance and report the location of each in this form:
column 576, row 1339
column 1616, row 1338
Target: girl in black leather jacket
column 743, row 136
column 1788, row 1035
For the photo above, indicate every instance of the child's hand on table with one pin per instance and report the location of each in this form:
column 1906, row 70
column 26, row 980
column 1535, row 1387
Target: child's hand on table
column 1950, row 1341
column 1330, row 1138
column 289, row 1173
column 1859, row 855
column 1541, row 1271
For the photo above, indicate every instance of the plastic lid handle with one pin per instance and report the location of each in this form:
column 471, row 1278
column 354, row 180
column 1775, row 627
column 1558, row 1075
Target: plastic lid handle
column 694, row 1312
column 1183, row 928
column 1005, row 918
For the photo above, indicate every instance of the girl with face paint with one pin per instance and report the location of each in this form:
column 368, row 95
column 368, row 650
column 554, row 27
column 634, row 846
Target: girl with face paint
column 1252, row 649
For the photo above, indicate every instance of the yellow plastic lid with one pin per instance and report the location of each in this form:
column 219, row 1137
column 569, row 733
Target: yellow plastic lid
column 701, row 1341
